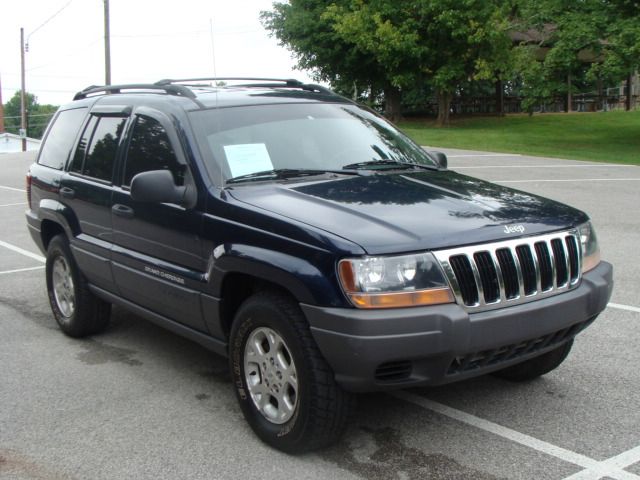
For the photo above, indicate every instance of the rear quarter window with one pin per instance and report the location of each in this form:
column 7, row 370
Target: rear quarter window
column 59, row 140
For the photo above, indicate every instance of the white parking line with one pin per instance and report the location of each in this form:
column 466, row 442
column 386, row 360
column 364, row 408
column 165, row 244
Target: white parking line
column 570, row 180
column 6, row 272
column 13, row 189
column 624, row 307
column 485, row 155
column 601, row 469
column 13, row 204
column 624, row 460
column 21, row 251
column 541, row 166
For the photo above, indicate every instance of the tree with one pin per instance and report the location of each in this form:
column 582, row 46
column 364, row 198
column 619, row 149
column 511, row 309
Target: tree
column 394, row 45
column 38, row 116
column 301, row 26
column 443, row 42
column 621, row 48
column 602, row 34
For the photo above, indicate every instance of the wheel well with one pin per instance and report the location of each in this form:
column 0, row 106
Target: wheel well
column 236, row 288
column 48, row 230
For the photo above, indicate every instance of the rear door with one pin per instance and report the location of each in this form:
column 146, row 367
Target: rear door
column 157, row 256
column 86, row 188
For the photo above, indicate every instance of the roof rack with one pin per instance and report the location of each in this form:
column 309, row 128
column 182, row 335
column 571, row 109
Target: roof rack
column 256, row 82
column 178, row 90
column 288, row 81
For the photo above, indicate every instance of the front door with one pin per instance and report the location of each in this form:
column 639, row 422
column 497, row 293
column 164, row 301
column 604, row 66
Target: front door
column 157, row 258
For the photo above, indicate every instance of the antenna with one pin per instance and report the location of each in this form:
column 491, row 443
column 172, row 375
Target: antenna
column 213, row 50
column 215, row 74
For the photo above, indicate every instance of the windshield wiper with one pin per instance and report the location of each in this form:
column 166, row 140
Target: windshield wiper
column 285, row 173
column 386, row 164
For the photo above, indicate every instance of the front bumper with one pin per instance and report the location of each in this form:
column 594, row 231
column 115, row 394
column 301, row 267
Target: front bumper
column 384, row 349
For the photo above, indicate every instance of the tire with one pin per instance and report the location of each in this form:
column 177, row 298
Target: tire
column 286, row 390
column 78, row 312
column 537, row 366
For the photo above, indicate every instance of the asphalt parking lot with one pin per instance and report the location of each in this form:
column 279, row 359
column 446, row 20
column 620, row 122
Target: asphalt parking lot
column 139, row 402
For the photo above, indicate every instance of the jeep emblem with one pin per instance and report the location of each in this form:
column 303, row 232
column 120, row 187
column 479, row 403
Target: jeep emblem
column 514, row 228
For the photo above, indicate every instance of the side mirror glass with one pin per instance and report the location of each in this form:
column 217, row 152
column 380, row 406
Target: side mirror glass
column 156, row 186
column 440, row 158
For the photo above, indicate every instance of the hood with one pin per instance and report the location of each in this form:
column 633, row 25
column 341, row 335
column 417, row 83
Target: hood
column 402, row 212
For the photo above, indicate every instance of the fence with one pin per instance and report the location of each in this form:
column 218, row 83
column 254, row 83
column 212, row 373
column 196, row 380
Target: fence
column 487, row 105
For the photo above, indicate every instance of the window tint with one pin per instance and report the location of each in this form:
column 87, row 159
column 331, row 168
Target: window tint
column 59, row 141
column 81, row 149
column 150, row 149
column 101, row 153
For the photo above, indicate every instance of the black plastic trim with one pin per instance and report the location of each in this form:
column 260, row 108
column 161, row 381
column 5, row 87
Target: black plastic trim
column 355, row 342
column 213, row 344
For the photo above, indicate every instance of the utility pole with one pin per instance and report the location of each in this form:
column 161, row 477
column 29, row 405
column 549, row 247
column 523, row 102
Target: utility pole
column 107, row 45
column 23, row 109
column 1, row 110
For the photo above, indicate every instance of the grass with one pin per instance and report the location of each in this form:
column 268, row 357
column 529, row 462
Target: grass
column 604, row 137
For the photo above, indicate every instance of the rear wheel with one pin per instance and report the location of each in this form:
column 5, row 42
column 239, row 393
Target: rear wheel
column 78, row 312
column 537, row 366
column 286, row 390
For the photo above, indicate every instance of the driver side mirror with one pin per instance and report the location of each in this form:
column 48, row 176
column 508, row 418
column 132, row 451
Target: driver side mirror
column 157, row 186
column 440, row 158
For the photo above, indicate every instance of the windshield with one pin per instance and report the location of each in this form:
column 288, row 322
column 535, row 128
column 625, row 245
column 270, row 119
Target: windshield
column 241, row 141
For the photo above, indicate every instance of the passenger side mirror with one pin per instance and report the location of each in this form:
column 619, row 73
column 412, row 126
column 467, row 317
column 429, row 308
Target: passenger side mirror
column 440, row 158
column 157, row 186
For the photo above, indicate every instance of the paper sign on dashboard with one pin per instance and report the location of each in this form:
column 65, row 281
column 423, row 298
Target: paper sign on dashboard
column 247, row 158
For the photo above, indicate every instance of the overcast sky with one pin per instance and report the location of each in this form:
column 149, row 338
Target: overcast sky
column 150, row 40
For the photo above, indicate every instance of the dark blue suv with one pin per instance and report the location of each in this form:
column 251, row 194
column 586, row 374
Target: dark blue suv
column 307, row 239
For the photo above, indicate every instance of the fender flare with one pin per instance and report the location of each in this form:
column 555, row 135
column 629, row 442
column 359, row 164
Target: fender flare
column 57, row 212
column 303, row 280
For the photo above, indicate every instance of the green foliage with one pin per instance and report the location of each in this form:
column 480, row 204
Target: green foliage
column 301, row 26
column 603, row 34
column 368, row 47
column 38, row 116
column 389, row 45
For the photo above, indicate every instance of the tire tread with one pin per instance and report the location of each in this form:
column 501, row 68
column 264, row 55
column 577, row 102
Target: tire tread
column 92, row 314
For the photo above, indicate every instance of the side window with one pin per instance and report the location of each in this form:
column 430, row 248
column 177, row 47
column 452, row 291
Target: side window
column 59, row 141
column 150, row 149
column 101, row 153
column 101, row 150
column 81, row 149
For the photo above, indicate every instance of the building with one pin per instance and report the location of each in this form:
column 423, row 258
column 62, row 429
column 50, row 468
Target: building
column 11, row 143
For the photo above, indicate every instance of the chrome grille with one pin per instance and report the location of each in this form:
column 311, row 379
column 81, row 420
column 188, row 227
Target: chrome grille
column 511, row 272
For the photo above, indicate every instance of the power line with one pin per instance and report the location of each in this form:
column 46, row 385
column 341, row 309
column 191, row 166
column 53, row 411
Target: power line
column 47, row 21
column 75, row 53
column 155, row 35
column 44, row 90
column 32, row 115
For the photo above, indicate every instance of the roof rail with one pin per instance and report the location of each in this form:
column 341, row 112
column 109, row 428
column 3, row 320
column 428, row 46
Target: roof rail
column 291, row 82
column 178, row 90
column 255, row 82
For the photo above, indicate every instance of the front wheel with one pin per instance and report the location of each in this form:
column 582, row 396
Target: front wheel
column 537, row 366
column 286, row 390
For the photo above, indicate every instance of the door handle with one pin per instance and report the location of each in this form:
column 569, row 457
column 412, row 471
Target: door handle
column 67, row 192
column 122, row 211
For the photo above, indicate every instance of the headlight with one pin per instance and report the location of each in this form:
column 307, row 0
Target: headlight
column 398, row 281
column 589, row 245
